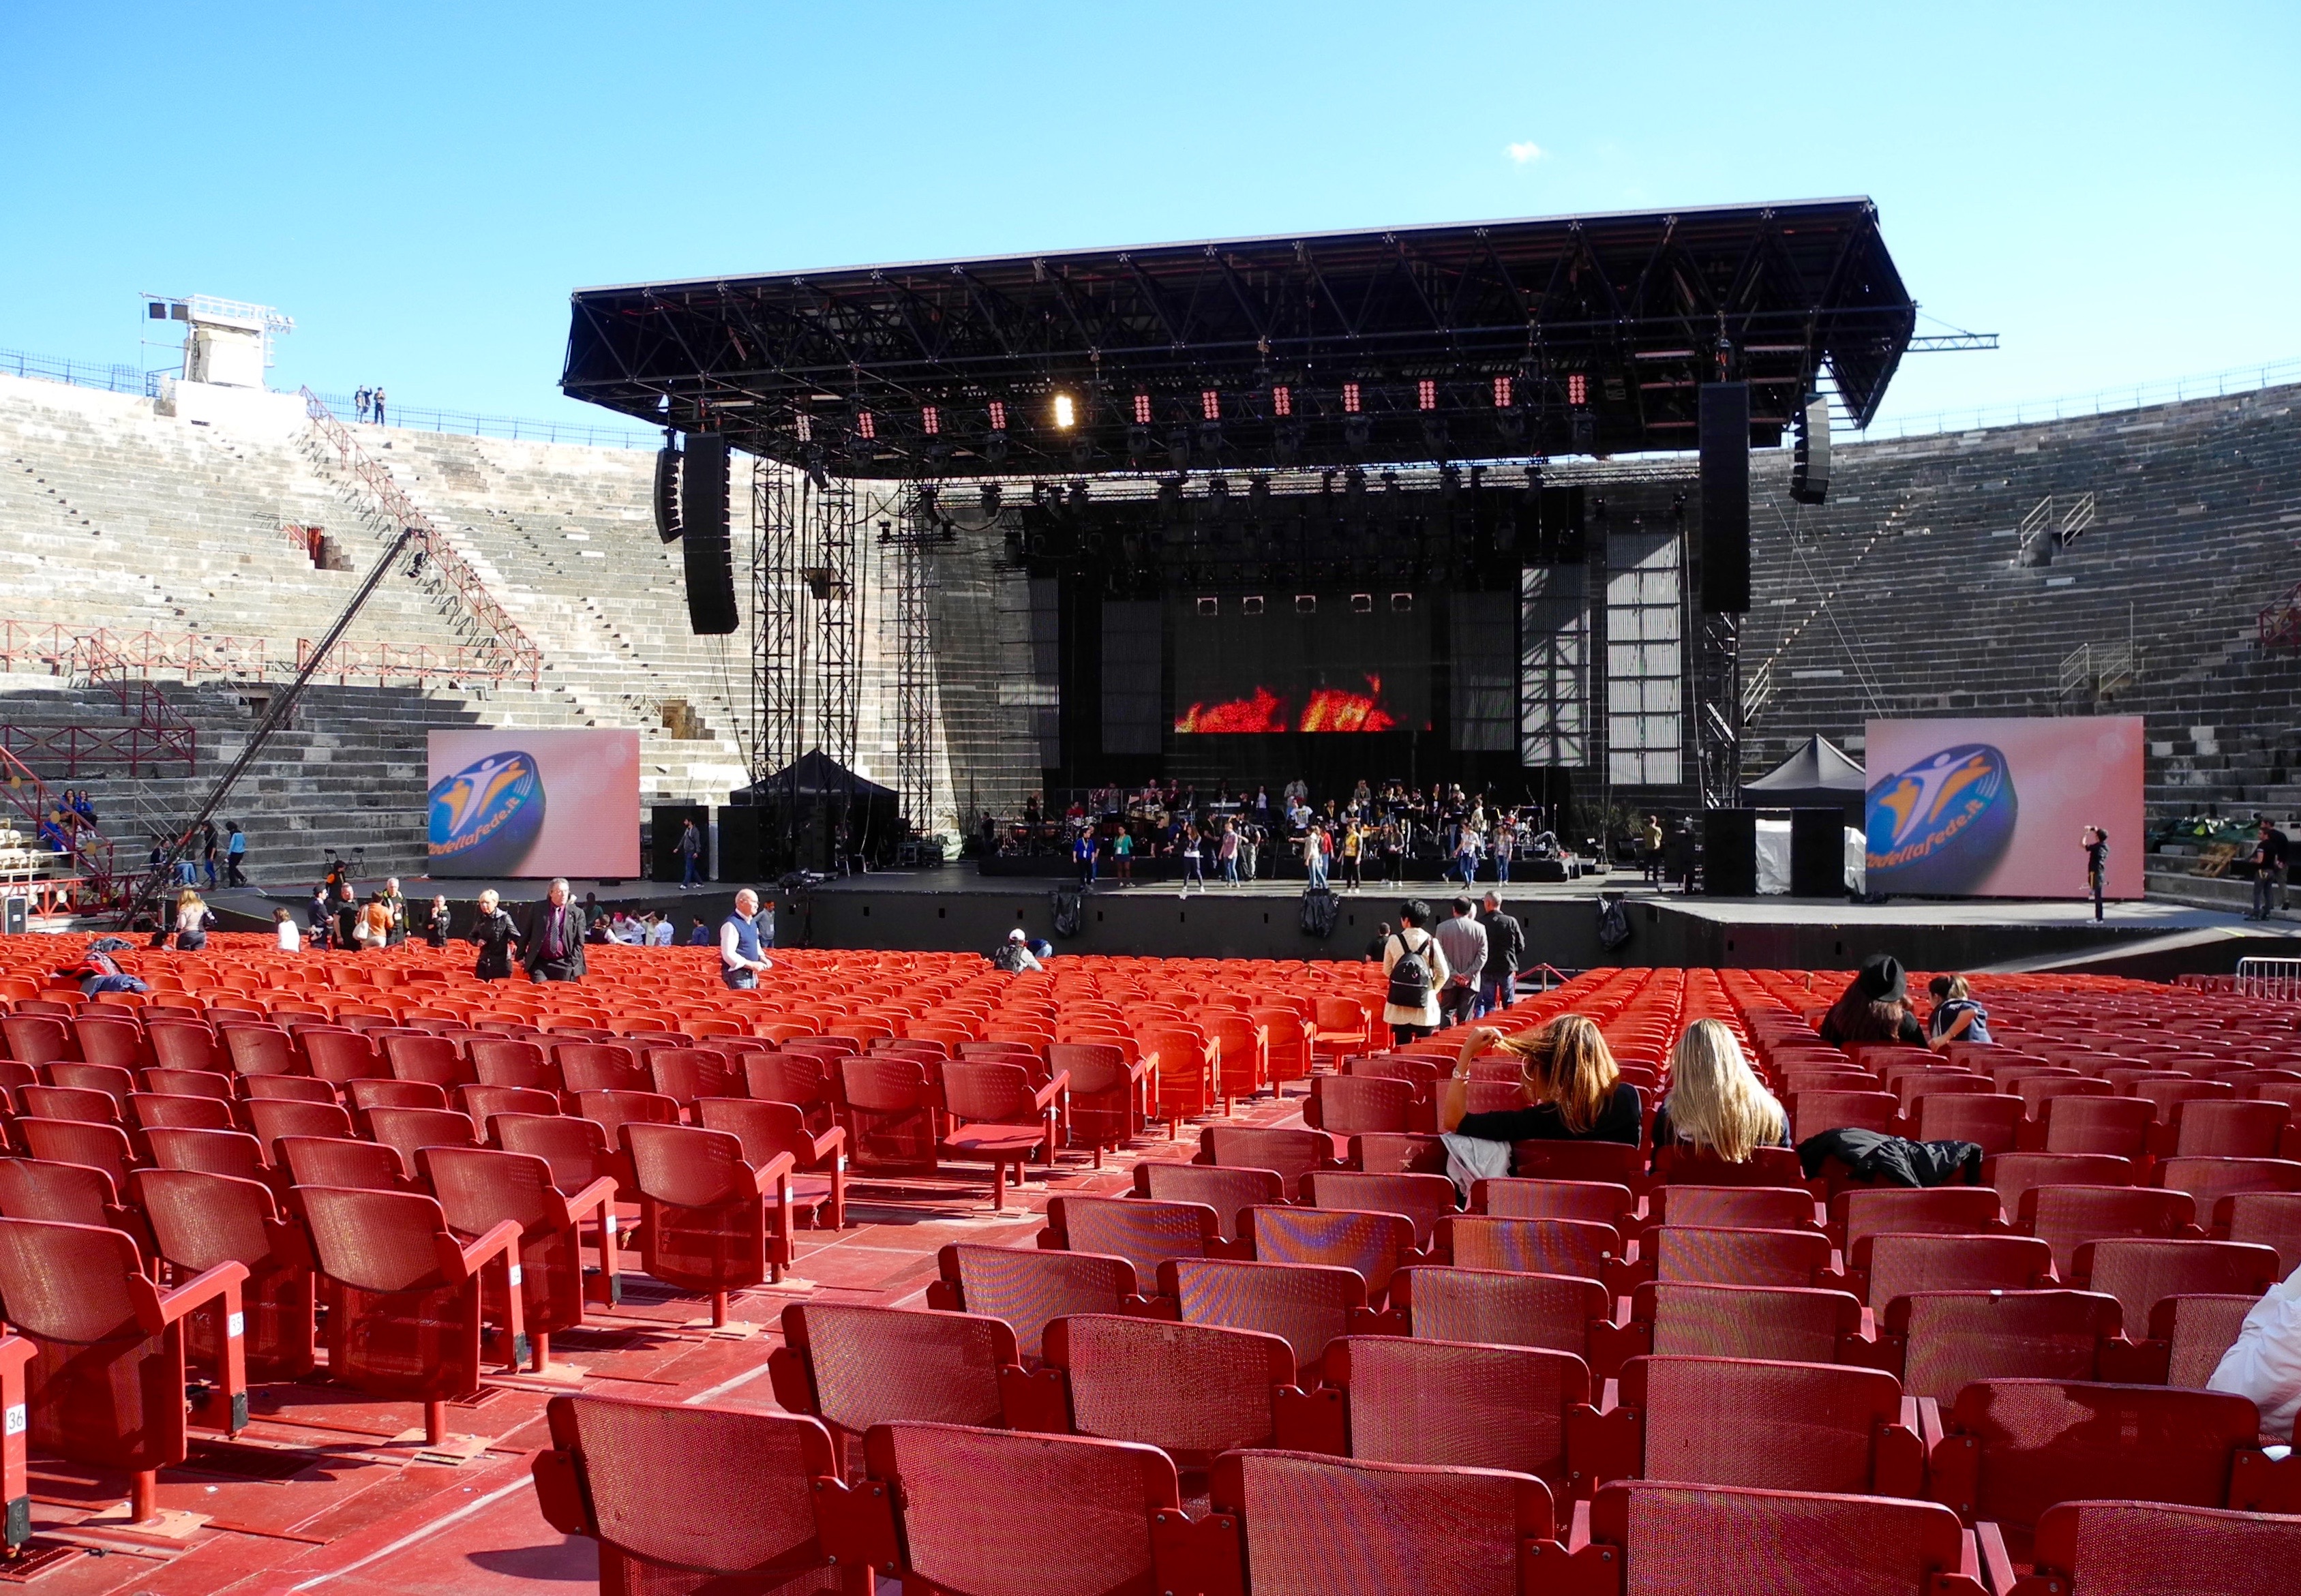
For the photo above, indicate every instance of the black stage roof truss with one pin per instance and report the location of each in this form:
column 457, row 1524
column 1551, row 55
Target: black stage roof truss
column 1505, row 339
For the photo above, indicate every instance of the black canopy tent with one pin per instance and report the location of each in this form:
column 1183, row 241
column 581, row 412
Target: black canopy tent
column 838, row 812
column 1819, row 775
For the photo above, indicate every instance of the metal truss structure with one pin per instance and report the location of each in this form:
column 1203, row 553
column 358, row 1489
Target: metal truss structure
column 1718, row 709
column 1495, row 341
column 914, row 544
column 806, row 618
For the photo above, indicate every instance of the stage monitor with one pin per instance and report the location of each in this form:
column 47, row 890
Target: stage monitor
column 1301, row 662
column 519, row 802
column 1997, row 808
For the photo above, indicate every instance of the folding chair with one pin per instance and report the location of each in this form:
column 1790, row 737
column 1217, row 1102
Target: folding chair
column 1991, row 1122
column 1460, row 1405
column 1468, row 1532
column 1193, row 1391
column 480, row 1189
column 106, row 1386
column 1564, row 1313
column 1422, row 1199
column 1144, row 1233
column 2103, row 1548
column 1938, row 1343
column 706, row 1223
column 78, row 1142
column 894, row 1112
column 341, row 1057
column 998, row 1116
column 854, row 1366
column 1598, row 1202
column 818, row 1182
column 1027, row 1287
column 2006, row 1451
column 2266, row 1218
column 1376, row 1245
column 1734, row 1208
column 1574, row 1247
column 70, row 1102
column 412, row 1131
column 1717, row 1256
column 1890, row 1266
column 1773, row 1426
column 199, row 1221
column 2140, row 1273
column 1657, row 1536
column 2115, row 1126
column 747, row 1516
column 2190, row 1332
column 1307, row 1305
column 368, row 1094
column 1229, row 1193
column 1778, row 1323
column 404, row 1296
column 234, row 1153
column 1292, row 1153
column 1938, row 1211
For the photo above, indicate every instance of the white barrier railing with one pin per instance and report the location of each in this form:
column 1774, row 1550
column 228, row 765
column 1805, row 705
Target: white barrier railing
column 2278, row 978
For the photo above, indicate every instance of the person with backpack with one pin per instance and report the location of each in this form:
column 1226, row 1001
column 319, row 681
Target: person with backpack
column 1416, row 967
column 1014, row 955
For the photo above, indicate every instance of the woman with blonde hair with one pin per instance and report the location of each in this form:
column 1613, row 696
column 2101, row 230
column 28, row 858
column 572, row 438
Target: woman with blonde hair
column 192, row 917
column 1567, row 1075
column 1717, row 1104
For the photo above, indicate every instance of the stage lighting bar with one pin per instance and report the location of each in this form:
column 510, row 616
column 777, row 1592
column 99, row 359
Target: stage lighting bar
column 864, row 425
column 1426, row 395
column 998, row 416
column 930, row 421
column 1142, row 410
column 1209, row 406
column 1281, row 401
column 1065, row 413
column 1501, row 392
column 1350, row 398
column 1577, row 388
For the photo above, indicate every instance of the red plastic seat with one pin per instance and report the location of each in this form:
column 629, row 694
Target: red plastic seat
column 2209, row 1180
column 2108, row 1548
column 106, row 1386
column 1813, row 1112
column 2139, row 1273
column 1565, row 1313
column 1229, row 1193
column 272, row 1119
column 431, row 1060
column 70, row 1102
column 1109, row 1102
column 1598, row 1202
column 186, row 1046
column 1890, row 1266
column 1765, row 1166
column 710, row 1222
column 1941, row 1342
column 600, row 1067
column 2007, row 1450
column 506, row 1061
column 1574, row 1247
column 1307, row 1305
column 1193, row 1391
column 1662, row 1536
column 893, row 1113
column 798, row 1078
column 1294, row 1153
column 1993, row 1123
column 154, row 1110
column 2266, row 1218
column 1422, row 1199
column 747, row 1523
column 1356, row 1104
column 854, row 1366
column 187, row 1083
column 480, row 1189
column 368, row 1094
column 577, row 1149
column 2113, row 1125
column 286, row 1088
column 1144, row 1233
column 117, row 1042
column 2065, row 1216
column 2193, row 1331
column 1779, row 1324
column 1774, row 1427
column 997, row 1117
column 404, row 1296
column 341, row 1057
column 200, row 1220
column 66, row 1194
column 342, row 1161
column 256, row 1049
column 116, row 1082
column 2225, row 1129
column 78, row 1142
column 1734, row 1208
column 38, row 1038
column 411, row 1132
column 1460, row 1405
column 234, row 1153
column 1376, row 1245
column 1612, row 1163
column 2011, row 1175
column 683, row 1074
column 818, row 1182
column 1719, row 1255
column 483, row 1103
column 1027, row 1287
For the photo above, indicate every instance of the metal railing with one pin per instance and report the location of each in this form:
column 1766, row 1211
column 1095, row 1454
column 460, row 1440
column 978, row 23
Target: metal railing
column 91, row 851
column 2173, row 390
column 2273, row 978
column 190, row 655
column 2103, row 667
column 453, row 571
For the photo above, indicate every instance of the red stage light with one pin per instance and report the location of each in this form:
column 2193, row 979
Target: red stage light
column 1425, row 394
column 1350, row 398
column 931, row 421
column 1211, row 405
column 998, row 416
column 866, row 425
column 1577, row 388
column 1142, row 410
column 1282, row 400
column 1501, row 392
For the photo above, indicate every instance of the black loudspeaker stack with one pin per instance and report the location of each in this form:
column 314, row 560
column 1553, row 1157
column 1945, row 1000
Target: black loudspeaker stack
column 740, row 859
column 1816, row 853
column 667, row 822
column 1729, row 852
column 1809, row 462
column 703, row 534
column 666, row 493
column 1725, row 428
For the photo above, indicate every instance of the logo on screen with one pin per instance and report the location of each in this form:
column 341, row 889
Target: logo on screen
column 1942, row 824
column 485, row 817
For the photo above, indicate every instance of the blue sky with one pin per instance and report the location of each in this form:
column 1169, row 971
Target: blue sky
column 2112, row 187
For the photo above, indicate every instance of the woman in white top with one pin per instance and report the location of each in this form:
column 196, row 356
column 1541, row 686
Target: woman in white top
column 1408, row 1021
column 192, row 918
column 283, row 927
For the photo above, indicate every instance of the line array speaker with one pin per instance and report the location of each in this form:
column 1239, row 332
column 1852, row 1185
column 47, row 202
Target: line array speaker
column 1810, row 464
column 710, row 560
column 1729, row 852
column 1725, row 428
column 666, row 493
column 1816, row 853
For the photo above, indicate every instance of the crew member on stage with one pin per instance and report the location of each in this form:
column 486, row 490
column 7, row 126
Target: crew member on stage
column 740, row 957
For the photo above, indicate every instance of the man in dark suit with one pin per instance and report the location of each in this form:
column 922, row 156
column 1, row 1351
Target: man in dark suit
column 553, row 949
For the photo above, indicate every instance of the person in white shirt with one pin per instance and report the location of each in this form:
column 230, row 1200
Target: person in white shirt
column 2263, row 1364
column 740, row 956
column 283, row 926
column 662, row 934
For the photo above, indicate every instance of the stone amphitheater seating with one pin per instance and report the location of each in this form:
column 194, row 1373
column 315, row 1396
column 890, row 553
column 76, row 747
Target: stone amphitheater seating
column 2200, row 504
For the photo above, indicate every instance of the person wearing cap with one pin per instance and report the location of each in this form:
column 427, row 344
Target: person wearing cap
column 1015, row 956
column 1874, row 1008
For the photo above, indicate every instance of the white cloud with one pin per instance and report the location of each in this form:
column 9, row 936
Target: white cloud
column 1524, row 153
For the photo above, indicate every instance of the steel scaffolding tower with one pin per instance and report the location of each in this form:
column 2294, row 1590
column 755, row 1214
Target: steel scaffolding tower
column 914, row 674
column 806, row 659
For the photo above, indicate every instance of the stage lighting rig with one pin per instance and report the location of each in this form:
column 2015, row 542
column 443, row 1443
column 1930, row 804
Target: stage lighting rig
column 1066, row 411
column 989, row 495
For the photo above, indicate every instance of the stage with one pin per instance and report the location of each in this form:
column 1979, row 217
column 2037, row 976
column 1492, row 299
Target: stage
column 956, row 907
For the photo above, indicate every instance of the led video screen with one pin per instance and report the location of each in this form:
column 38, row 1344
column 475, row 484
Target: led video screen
column 516, row 801
column 1321, row 667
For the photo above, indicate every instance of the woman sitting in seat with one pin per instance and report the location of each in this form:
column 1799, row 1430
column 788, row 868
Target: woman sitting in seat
column 1717, row 1104
column 1874, row 1008
column 1572, row 1089
column 1956, row 1017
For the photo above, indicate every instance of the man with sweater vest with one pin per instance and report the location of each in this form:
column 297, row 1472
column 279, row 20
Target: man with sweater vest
column 740, row 956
